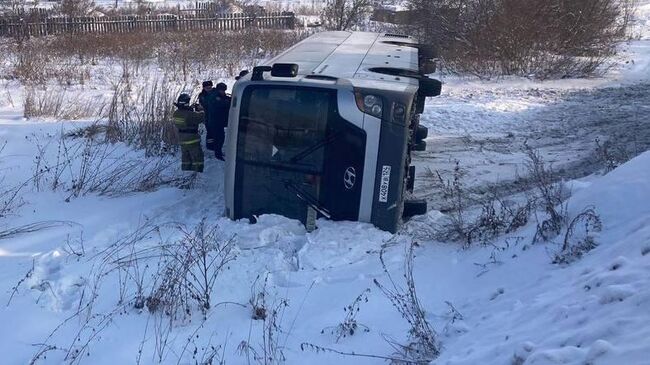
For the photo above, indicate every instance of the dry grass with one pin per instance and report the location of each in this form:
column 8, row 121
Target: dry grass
column 43, row 102
column 142, row 117
column 180, row 55
column 90, row 166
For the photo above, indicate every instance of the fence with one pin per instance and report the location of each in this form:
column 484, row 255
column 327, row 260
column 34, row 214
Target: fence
column 17, row 27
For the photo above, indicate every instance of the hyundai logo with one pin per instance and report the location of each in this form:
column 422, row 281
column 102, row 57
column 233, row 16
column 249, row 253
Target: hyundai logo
column 350, row 177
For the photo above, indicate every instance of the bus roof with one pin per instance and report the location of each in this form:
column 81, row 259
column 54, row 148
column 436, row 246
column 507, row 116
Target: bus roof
column 352, row 56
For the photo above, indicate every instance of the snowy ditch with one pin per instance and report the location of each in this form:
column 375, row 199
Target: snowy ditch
column 95, row 275
column 105, row 272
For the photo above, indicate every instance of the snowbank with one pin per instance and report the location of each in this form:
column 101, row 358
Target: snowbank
column 589, row 312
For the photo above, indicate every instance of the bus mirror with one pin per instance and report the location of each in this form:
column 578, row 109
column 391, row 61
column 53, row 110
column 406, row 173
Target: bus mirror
column 284, row 70
column 258, row 72
column 430, row 87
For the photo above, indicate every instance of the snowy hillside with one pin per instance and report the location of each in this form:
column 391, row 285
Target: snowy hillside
column 79, row 265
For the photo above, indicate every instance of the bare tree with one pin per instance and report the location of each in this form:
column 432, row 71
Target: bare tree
column 345, row 14
column 435, row 21
column 75, row 7
column 542, row 38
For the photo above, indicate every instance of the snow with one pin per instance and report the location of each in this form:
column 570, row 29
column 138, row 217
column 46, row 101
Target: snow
column 516, row 306
column 586, row 312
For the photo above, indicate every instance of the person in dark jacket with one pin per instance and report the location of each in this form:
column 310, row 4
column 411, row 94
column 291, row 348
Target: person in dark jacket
column 222, row 110
column 187, row 122
column 207, row 100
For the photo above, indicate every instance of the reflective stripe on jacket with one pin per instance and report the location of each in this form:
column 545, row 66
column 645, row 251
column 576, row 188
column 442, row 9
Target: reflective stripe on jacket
column 187, row 123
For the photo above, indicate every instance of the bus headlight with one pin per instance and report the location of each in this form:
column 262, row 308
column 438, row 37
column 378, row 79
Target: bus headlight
column 369, row 101
column 399, row 112
column 370, row 104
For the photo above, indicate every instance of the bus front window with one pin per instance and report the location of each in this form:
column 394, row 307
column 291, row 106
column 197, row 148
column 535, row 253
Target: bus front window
column 289, row 141
column 279, row 123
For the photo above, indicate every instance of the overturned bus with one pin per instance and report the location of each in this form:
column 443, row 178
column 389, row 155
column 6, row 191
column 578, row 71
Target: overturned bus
column 326, row 129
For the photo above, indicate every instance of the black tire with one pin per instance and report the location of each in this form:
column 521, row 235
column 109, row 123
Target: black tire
column 419, row 104
column 414, row 207
column 421, row 133
column 420, row 146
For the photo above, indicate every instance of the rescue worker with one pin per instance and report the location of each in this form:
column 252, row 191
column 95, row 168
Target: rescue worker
column 222, row 110
column 187, row 122
column 207, row 99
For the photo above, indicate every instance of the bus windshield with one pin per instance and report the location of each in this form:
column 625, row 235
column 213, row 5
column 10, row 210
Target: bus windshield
column 291, row 141
column 281, row 125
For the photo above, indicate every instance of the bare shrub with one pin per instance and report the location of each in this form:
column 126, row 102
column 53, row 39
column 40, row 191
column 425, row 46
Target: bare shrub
column 453, row 314
column 269, row 351
column 498, row 216
column 189, row 270
column 15, row 288
column 497, row 248
column 578, row 239
column 67, row 58
column 436, row 22
column 34, row 61
column 134, row 48
column 207, row 354
column 31, row 228
column 39, row 103
column 550, row 195
column 181, row 59
column 482, row 216
column 258, row 297
column 89, row 166
column 456, row 196
column 495, row 217
column 143, row 118
column 539, row 38
column 10, row 198
column 423, row 345
column 31, row 64
column 610, row 154
column 345, row 14
column 75, row 7
column 312, row 9
column 349, row 326
column 143, row 262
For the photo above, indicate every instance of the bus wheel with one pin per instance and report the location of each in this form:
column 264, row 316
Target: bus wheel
column 420, row 146
column 414, row 207
column 421, row 133
column 430, row 87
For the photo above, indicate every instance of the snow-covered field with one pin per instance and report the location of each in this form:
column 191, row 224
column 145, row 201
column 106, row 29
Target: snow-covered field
column 501, row 304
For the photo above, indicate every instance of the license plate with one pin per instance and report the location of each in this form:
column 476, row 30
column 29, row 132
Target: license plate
column 385, row 184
